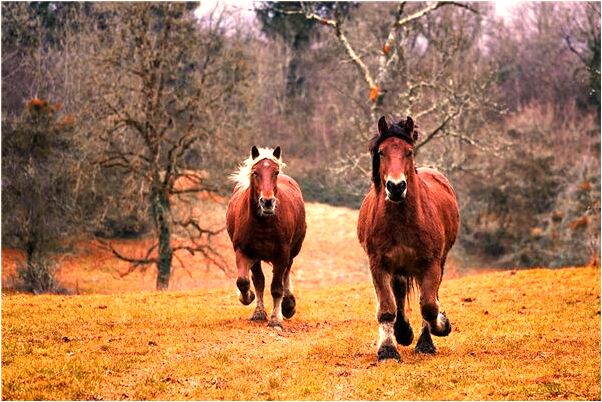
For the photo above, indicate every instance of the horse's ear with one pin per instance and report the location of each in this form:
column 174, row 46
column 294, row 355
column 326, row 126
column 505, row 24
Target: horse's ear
column 254, row 152
column 277, row 152
column 382, row 125
column 409, row 125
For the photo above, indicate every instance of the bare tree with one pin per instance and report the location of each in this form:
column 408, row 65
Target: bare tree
column 154, row 90
column 421, row 59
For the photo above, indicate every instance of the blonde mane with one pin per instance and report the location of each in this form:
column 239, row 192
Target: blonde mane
column 242, row 178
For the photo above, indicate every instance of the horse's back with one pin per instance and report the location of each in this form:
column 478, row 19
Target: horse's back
column 435, row 178
column 443, row 197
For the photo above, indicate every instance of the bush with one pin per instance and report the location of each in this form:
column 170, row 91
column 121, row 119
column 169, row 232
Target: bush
column 322, row 185
column 37, row 277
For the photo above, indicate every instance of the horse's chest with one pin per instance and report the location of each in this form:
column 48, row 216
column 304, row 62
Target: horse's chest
column 400, row 256
column 263, row 244
column 401, row 250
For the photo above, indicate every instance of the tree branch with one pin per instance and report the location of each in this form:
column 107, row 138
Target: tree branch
column 135, row 262
column 432, row 7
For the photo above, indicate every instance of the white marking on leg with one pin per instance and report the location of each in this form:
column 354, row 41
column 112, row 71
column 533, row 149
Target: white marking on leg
column 277, row 312
column 260, row 302
column 440, row 324
column 385, row 334
column 288, row 284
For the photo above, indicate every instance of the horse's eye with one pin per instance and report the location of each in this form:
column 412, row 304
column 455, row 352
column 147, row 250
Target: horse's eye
column 409, row 153
column 381, row 153
column 254, row 174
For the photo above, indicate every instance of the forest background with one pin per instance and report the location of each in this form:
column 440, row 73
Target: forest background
column 117, row 117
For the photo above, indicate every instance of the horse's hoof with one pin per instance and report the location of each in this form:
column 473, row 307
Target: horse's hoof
column 288, row 306
column 403, row 333
column 275, row 324
column 444, row 327
column 425, row 348
column 386, row 352
column 259, row 315
column 246, row 300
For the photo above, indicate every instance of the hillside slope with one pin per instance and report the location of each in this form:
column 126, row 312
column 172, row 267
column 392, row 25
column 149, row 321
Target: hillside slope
column 517, row 335
column 331, row 254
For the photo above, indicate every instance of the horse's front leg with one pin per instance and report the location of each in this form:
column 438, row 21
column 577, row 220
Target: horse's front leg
column 288, row 301
column 434, row 321
column 403, row 331
column 277, row 290
column 387, row 347
column 259, row 282
column 244, row 263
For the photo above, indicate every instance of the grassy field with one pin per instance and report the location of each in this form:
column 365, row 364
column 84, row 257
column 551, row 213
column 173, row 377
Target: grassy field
column 517, row 335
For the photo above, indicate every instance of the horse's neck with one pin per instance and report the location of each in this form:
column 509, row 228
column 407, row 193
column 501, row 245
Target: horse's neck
column 251, row 201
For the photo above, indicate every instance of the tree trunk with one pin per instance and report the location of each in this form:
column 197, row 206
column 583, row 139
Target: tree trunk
column 161, row 210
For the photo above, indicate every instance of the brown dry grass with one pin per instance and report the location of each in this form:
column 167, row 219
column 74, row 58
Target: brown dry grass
column 331, row 255
column 517, row 335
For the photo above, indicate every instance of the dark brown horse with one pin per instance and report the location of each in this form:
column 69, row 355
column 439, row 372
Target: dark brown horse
column 266, row 222
column 407, row 224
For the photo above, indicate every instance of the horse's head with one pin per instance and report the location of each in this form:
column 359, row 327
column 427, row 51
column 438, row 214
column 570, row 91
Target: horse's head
column 264, row 179
column 392, row 151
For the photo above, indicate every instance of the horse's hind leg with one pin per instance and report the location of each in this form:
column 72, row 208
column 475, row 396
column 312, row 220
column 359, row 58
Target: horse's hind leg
column 277, row 290
column 259, row 283
column 288, row 301
column 425, row 342
column 402, row 329
column 435, row 321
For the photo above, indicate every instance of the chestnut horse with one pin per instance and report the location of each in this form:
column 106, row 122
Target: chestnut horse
column 407, row 224
column 266, row 222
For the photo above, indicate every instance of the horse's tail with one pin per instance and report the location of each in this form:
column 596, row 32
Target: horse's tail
column 412, row 289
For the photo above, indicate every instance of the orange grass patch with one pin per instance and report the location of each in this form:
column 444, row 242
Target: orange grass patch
column 331, row 254
column 532, row 334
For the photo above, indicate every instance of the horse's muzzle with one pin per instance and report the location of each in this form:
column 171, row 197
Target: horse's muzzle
column 396, row 191
column 267, row 205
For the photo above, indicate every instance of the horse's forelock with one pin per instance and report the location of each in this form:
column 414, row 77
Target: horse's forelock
column 396, row 130
column 241, row 178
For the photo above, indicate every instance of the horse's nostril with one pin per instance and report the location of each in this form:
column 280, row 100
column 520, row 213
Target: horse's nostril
column 396, row 188
column 266, row 202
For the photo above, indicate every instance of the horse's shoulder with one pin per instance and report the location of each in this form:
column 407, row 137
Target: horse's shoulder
column 432, row 176
column 365, row 215
column 287, row 180
column 289, row 186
